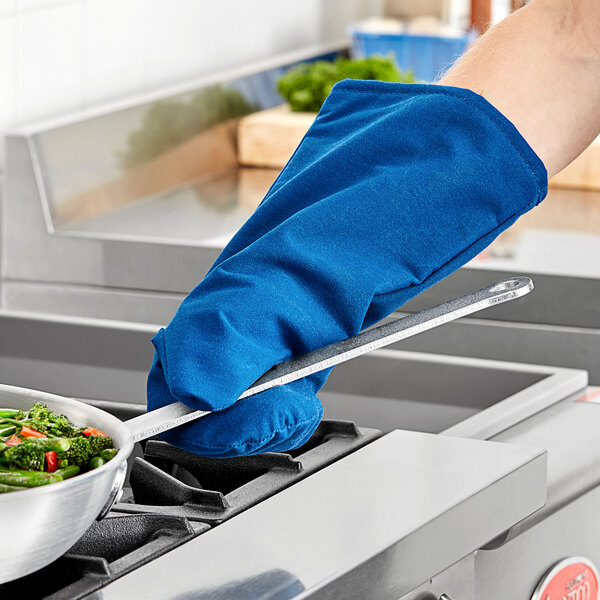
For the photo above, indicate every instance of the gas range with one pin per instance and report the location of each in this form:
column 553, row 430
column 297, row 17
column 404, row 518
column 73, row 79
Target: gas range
column 411, row 516
column 463, row 479
column 172, row 496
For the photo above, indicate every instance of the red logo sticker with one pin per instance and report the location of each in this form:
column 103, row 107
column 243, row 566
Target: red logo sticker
column 591, row 396
column 571, row 579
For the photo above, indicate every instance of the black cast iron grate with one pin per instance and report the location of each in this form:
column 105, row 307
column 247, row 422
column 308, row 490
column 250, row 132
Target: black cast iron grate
column 109, row 549
column 170, row 497
column 211, row 490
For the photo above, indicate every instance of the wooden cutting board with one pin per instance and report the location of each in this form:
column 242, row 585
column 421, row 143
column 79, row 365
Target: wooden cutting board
column 269, row 137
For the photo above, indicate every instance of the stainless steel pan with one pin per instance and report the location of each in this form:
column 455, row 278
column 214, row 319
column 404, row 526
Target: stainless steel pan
column 40, row 524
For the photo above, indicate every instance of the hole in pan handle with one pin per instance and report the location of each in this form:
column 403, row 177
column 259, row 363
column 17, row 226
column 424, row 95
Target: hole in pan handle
column 176, row 414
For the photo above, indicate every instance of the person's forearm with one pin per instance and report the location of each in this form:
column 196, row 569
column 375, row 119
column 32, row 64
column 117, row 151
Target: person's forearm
column 541, row 68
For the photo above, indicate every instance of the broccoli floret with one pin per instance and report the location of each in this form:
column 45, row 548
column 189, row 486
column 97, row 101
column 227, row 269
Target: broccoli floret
column 39, row 411
column 99, row 443
column 82, row 448
column 42, row 419
column 29, row 457
column 79, row 453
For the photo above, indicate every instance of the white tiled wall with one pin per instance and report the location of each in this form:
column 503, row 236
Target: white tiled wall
column 62, row 55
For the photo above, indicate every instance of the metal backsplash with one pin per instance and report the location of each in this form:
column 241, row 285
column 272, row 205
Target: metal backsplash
column 118, row 214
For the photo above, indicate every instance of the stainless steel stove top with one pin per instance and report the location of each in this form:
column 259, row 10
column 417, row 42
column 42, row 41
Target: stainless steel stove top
column 368, row 510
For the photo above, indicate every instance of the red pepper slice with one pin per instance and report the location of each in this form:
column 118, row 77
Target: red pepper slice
column 27, row 432
column 13, row 440
column 51, row 462
column 91, row 431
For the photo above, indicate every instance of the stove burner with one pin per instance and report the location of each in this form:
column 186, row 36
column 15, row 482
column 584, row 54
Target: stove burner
column 175, row 482
column 170, row 497
column 109, row 549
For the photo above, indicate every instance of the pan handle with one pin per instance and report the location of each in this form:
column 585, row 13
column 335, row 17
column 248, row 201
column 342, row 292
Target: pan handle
column 176, row 414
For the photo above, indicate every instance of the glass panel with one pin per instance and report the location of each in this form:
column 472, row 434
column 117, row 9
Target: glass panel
column 167, row 169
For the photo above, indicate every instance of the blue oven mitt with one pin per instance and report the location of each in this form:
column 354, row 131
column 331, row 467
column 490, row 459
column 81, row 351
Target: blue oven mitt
column 394, row 187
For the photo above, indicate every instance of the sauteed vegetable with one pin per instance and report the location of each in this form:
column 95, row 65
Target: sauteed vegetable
column 39, row 447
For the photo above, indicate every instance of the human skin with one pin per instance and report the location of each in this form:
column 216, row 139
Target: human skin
column 540, row 67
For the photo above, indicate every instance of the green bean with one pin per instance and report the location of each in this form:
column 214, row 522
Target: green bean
column 18, row 422
column 9, row 413
column 4, row 489
column 95, row 462
column 57, row 444
column 7, row 431
column 27, row 478
column 67, row 472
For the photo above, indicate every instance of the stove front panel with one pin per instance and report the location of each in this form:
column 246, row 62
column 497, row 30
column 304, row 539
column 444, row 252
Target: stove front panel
column 375, row 524
column 514, row 569
column 457, row 583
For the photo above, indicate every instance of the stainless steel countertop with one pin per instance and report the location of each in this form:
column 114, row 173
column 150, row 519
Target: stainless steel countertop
column 375, row 524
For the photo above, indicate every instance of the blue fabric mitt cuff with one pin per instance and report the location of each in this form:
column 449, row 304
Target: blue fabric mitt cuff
column 472, row 99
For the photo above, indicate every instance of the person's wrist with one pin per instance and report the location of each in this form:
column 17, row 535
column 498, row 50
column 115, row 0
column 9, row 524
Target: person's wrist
column 540, row 68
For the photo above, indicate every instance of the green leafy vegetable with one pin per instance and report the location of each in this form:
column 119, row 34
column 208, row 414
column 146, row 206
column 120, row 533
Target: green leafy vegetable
column 79, row 452
column 98, row 443
column 39, row 446
column 24, row 456
column 306, row 85
column 39, row 418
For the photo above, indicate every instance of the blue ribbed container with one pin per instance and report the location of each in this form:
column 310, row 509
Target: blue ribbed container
column 427, row 56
